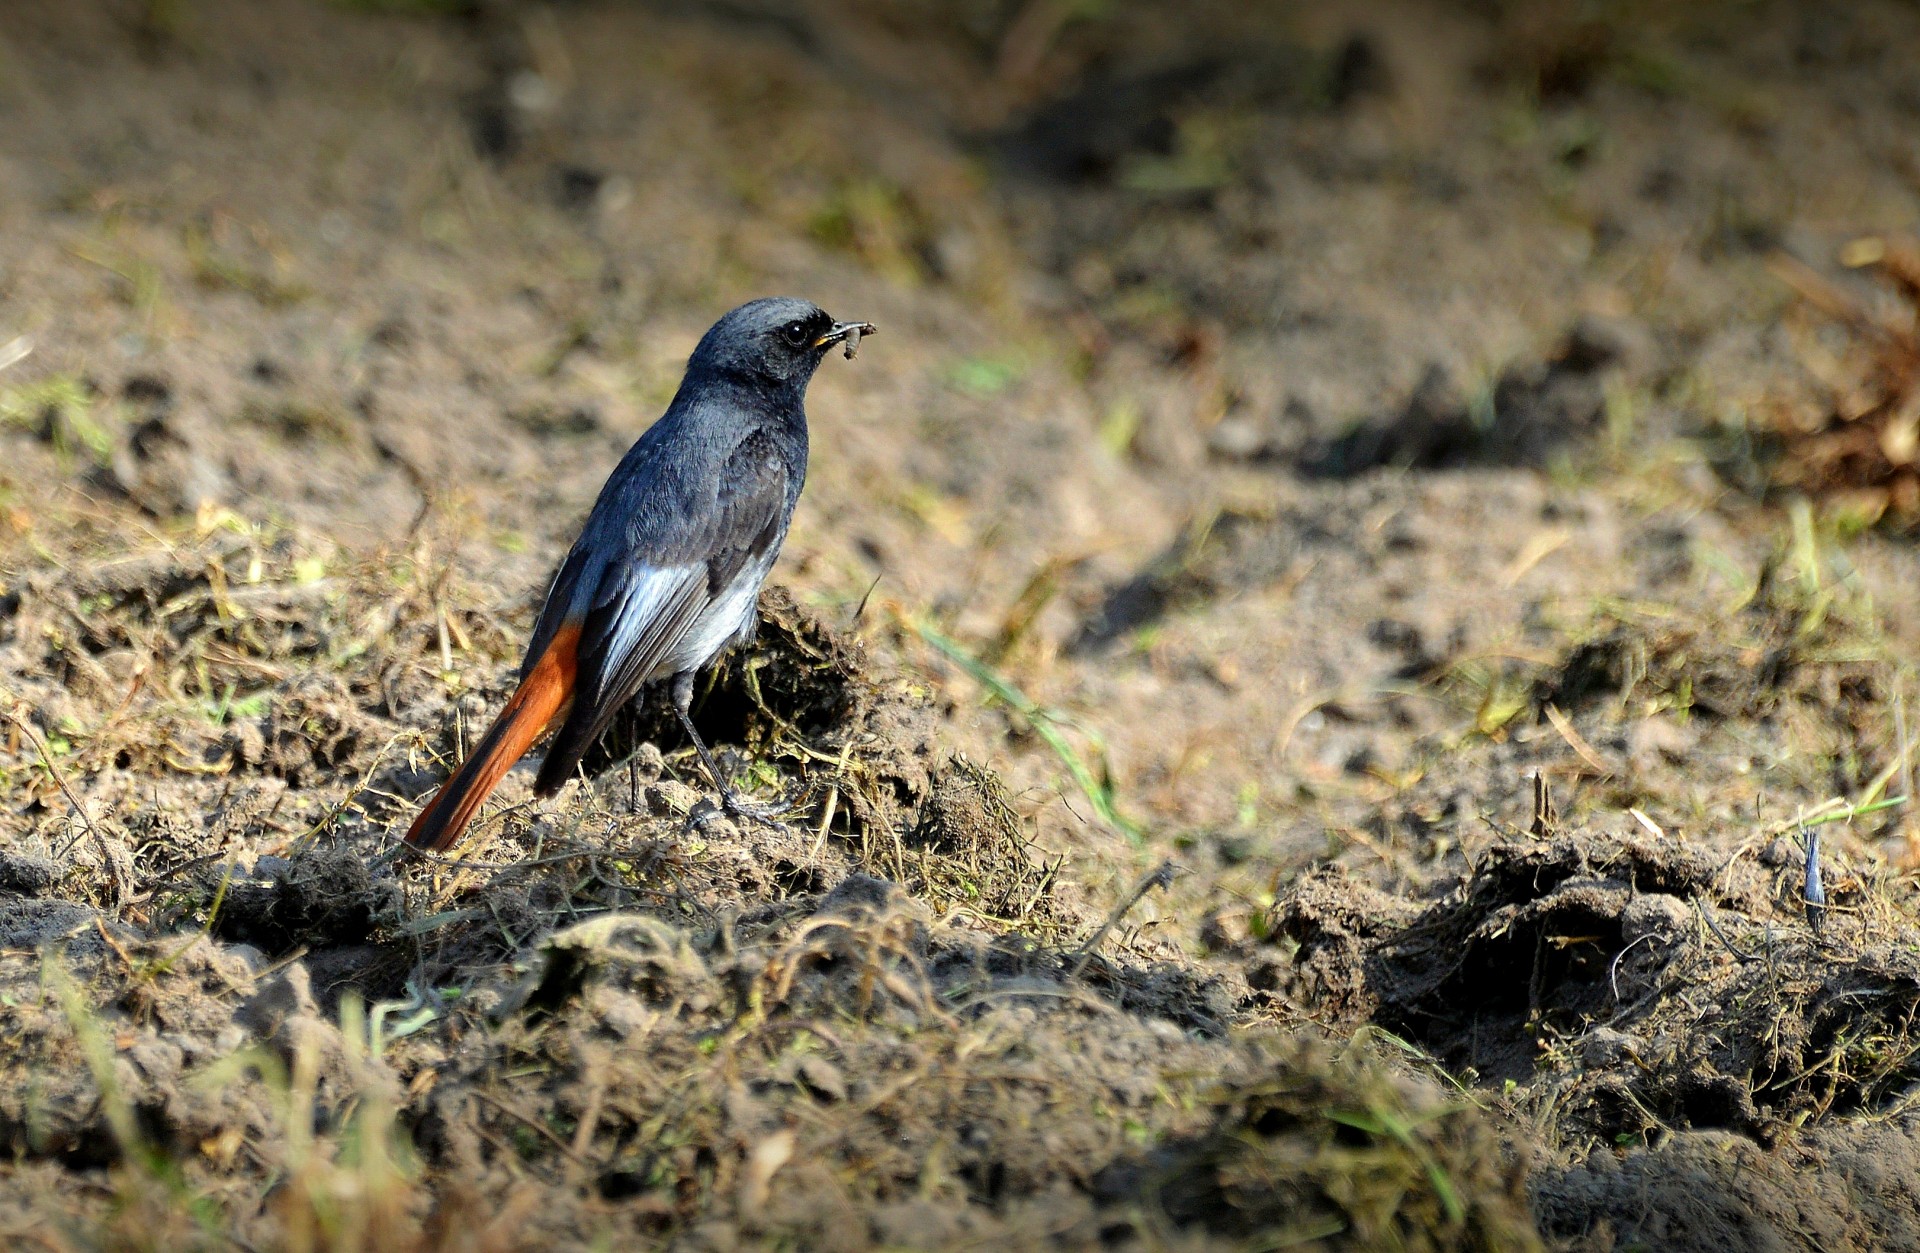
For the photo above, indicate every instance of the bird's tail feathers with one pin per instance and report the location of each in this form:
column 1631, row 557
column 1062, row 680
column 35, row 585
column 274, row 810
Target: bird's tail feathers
column 534, row 706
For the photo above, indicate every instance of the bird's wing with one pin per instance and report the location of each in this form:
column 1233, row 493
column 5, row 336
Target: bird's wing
column 645, row 604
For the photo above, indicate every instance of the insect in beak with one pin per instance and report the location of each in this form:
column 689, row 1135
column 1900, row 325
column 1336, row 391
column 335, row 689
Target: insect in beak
column 847, row 333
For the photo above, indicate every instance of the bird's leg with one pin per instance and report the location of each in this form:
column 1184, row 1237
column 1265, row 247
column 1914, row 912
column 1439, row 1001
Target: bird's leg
column 682, row 704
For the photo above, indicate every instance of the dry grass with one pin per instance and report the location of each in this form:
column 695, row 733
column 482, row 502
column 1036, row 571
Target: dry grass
column 841, row 1073
column 1853, row 438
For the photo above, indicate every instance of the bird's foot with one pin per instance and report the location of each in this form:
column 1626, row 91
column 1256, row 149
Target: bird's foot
column 767, row 815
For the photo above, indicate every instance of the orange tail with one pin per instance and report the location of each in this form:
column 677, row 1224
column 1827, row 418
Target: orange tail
column 527, row 715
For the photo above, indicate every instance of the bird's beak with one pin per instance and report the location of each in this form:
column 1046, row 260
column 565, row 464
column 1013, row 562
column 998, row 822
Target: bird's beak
column 847, row 333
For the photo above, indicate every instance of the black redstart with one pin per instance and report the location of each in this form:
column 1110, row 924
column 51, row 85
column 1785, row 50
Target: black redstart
column 666, row 574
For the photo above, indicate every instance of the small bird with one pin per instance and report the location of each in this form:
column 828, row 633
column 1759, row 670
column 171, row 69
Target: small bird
column 666, row 574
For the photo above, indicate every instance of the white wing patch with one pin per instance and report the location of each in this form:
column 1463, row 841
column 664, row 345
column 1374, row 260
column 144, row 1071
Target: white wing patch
column 721, row 620
column 649, row 594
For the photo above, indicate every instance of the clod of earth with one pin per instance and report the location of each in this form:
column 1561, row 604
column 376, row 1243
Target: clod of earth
column 1636, row 987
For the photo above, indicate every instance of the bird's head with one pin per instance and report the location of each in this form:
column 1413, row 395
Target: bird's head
column 779, row 339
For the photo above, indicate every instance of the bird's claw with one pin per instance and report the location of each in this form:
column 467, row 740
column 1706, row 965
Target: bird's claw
column 766, row 815
column 708, row 809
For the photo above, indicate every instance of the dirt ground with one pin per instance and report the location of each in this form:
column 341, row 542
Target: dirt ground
column 1369, row 543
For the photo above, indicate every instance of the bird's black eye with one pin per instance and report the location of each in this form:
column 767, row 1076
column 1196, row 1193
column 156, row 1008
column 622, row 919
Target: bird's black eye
column 796, row 334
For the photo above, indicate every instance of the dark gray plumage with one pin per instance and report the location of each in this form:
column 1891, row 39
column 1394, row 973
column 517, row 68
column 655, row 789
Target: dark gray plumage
column 666, row 573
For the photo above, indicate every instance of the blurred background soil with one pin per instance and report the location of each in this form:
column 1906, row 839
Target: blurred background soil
column 1438, row 478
